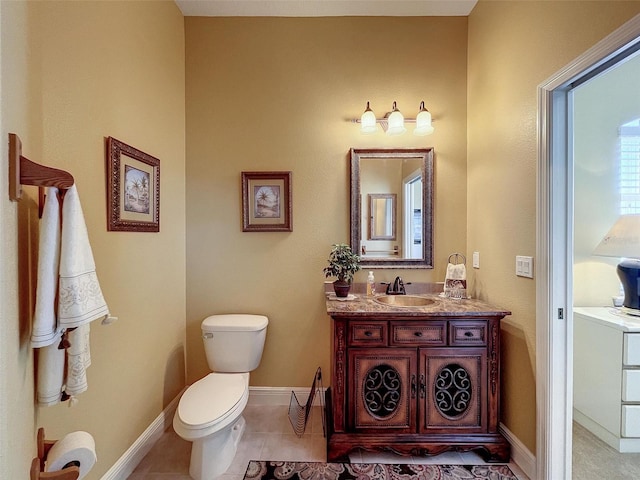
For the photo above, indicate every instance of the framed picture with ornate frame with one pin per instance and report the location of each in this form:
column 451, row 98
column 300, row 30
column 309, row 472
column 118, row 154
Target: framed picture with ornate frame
column 266, row 202
column 133, row 189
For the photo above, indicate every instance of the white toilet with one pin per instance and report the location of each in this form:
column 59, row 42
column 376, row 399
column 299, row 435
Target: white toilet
column 210, row 411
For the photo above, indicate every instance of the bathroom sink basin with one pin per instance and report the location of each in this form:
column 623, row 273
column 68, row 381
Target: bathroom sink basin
column 404, row 300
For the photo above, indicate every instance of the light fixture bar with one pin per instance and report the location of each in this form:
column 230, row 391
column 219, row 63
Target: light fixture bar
column 369, row 121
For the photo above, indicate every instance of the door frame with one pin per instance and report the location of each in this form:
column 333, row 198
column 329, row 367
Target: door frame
column 554, row 282
column 408, row 206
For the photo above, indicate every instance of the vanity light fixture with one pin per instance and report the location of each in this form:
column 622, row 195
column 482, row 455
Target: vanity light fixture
column 393, row 122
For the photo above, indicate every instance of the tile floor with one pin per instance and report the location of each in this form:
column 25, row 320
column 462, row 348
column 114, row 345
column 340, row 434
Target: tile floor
column 269, row 436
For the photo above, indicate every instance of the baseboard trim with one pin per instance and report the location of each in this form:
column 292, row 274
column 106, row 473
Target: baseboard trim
column 520, row 454
column 130, row 459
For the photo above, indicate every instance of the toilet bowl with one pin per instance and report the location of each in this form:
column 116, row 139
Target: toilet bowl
column 209, row 413
column 210, row 416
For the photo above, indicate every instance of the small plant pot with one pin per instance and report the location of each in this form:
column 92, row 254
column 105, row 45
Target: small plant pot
column 341, row 288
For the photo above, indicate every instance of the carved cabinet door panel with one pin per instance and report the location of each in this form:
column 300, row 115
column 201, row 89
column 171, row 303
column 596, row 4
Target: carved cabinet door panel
column 384, row 388
column 453, row 390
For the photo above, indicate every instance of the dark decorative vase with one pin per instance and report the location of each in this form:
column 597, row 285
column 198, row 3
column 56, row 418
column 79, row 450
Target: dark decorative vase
column 341, row 288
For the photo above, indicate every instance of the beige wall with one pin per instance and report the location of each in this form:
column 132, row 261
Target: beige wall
column 17, row 425
column 513, row 47
column 275, row 94
column 72, row 74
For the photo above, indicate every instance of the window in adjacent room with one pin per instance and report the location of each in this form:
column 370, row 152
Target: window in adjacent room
column 629, row 185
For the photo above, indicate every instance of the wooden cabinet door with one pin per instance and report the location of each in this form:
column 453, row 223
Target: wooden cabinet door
column 382, row 389
column 452, row 390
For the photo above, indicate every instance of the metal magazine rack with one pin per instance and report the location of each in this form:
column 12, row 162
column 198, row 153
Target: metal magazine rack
column 299, row 414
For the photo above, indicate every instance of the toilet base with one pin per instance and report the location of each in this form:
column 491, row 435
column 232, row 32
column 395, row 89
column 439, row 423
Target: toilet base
column 213, row 455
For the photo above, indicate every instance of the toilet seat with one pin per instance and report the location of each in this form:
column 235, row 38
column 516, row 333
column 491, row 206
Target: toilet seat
column 211, row 403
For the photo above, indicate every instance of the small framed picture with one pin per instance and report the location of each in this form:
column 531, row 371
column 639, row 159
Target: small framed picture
column 133, row 189
column 266, row 202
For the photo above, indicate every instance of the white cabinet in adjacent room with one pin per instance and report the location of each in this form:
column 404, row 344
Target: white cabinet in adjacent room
column 606, row 379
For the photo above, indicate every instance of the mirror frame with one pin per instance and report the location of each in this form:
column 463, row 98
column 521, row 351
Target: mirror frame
column 426, row 154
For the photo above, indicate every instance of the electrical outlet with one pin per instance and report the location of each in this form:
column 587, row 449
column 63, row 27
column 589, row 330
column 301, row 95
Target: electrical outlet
column 476, row 259
column 524, row 266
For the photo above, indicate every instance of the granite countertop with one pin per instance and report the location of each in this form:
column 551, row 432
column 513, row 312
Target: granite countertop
column 359, row 304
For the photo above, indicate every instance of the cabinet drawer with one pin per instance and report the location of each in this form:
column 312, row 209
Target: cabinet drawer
column 367, row 334
column 462, row 333
column 631, row 385
column 432, row 333
column 631, row 421
column 631, row 354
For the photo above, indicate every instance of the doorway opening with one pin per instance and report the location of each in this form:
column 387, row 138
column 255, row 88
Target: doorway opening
column 555, row 243
column 412, row 213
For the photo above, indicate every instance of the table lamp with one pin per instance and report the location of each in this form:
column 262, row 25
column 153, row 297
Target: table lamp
column 623, row 241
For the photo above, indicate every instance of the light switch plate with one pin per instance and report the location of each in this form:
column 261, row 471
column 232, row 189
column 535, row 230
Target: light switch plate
column 476, row 259
column 524, row 266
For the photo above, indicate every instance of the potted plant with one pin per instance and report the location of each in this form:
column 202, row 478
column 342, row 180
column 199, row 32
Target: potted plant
column 343, row 264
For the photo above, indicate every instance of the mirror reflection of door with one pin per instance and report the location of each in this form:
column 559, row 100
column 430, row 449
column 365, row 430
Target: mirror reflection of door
column 412, row 213
column 382, row 216
column 380, row 180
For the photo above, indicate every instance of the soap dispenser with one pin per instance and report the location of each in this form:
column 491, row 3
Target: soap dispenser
column 371, row 284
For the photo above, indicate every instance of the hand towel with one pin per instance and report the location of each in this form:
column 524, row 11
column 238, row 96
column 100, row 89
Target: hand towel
column 80, row 298
column 50, row 379
column 455, row 282
column 78, row 360
column 45, row 326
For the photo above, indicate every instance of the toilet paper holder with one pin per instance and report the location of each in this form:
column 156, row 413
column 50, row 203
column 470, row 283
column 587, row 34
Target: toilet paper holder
column 37, row 464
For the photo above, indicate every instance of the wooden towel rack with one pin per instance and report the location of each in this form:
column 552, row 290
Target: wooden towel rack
column 23, row 171
column 37, row 464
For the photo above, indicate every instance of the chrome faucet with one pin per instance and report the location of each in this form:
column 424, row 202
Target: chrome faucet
column 396, row 288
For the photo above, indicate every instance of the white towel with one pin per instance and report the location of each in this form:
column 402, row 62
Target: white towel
column 45, row 326
column 50, row 373
column 455, row 282
column 78, row 360
column 66, row 266
column 80, row 298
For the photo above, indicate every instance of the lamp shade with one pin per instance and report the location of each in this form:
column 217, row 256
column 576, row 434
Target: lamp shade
column 622, row 240
column 396, row 122
column 368, row 122
column 423, row 122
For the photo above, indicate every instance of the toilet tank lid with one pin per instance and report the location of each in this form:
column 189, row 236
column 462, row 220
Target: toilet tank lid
column 234, row 322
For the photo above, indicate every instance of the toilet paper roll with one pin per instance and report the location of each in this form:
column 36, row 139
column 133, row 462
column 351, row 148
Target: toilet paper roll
column 76, row 448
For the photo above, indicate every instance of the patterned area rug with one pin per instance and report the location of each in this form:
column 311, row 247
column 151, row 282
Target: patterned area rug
column 372, row 471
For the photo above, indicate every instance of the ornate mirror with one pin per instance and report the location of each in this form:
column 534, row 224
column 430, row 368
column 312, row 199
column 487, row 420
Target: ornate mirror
column 395, row 227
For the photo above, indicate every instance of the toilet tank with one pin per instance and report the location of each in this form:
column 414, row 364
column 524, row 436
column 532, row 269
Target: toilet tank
column 234, row 342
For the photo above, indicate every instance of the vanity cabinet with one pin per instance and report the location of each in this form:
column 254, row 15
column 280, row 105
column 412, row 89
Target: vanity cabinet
column 390, row 390
column 415, row 385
